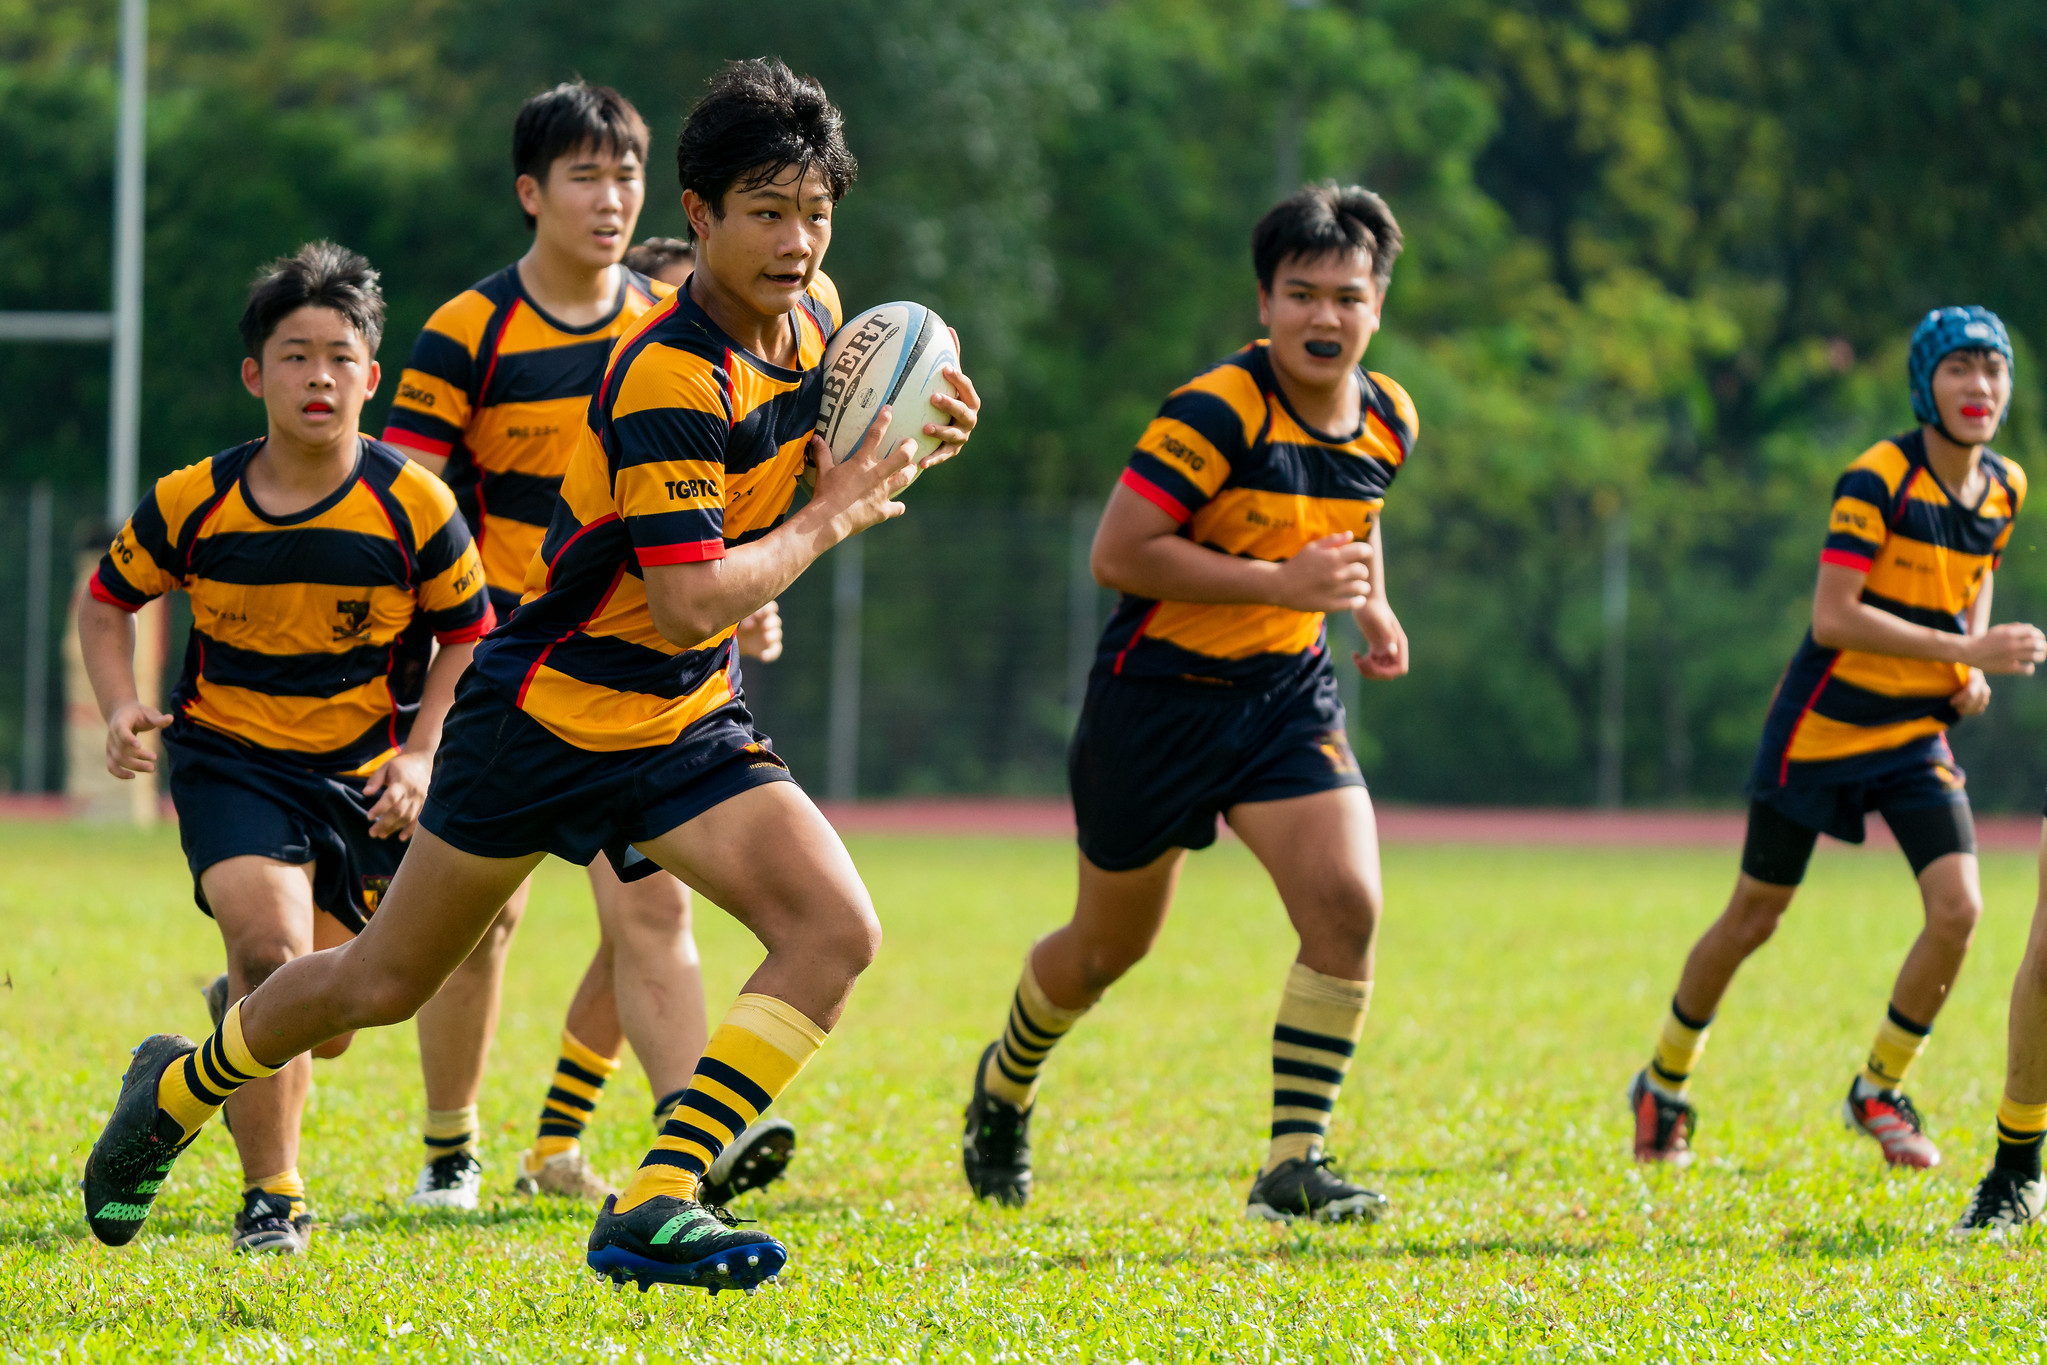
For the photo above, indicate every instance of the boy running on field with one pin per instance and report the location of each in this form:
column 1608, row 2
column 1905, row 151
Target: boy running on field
column 322, row 566
column 1900, row 641
column 494, row 399
column 1250, row 508
column 605, row 714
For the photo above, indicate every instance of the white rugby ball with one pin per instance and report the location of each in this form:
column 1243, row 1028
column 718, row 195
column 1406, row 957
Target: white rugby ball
column 892, row 354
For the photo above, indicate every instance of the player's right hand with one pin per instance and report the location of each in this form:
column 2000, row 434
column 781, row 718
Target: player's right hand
column 126, row 754
column 859, row 491
column 1330, row 574
column 2010, row 648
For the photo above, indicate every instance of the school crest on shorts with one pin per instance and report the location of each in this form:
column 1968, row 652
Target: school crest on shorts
column 1335, row 747
column 373, row 889
column 352, row 618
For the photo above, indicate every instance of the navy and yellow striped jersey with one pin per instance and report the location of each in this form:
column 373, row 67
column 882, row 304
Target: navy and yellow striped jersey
column 692, row 446
column 1843, row 715
column 310, row 632
column 500, row 389
column 1227, row 458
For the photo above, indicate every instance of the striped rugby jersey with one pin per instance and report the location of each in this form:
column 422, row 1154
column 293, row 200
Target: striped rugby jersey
column 310, row 632
column 1842, row 715
column 1227, row 458
column 500, row 389
column 693, row 445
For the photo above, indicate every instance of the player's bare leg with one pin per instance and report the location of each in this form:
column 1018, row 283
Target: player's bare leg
column 2014, row 1193
column 1322, row 852
column 772, row 861
column 456, row 1029
column 1877, row 1105
column 644, row 985
column 1117, row 916
column 265, row 911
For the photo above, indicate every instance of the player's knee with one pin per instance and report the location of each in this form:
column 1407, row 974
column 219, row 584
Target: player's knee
column 334, row 1047
column 1954, row 918
column 1103, row 964
column 255, row 962
column 853, row 937
column 391, row 999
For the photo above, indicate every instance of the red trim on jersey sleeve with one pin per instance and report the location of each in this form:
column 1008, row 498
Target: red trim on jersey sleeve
column 476, row 630
column 100, row 594
column 412, row 440
column 1155, row 495
column 689, row 552
column 1859, row 563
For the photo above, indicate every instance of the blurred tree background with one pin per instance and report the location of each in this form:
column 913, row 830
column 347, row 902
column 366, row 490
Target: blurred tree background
column 1663, row 257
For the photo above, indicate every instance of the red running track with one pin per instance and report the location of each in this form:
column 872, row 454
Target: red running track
column 982, row 816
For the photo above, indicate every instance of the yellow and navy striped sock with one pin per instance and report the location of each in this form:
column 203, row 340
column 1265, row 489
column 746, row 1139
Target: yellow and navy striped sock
column 1321, row 1019
column 450, row 1130
column 579, row 1077
column 1677, row 1051
column 1899, row 1041
column 287, row 1184
column 193, row 1090
column 665, row 1106
column 1035, row 1027
column 2020, row 1127
column 757, row 1050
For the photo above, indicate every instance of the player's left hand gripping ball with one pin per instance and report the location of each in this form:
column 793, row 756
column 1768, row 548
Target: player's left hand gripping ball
column 963, row 404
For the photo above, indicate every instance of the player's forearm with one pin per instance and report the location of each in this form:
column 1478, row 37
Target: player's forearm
column 106, row 639
column 1171, row 568
column 692, row 603
column 1979, row 610
column 1859, row 626
column 437, row 695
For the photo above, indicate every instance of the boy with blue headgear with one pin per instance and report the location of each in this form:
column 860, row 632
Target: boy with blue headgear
column 1900, row 642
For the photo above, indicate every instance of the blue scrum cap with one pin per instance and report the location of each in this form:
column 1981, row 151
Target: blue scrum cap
column 1938, row 335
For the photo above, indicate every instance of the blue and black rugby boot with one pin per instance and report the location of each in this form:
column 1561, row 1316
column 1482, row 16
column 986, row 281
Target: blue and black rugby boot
column 680, row 1241
column 135, row 1150
column 996, row 1150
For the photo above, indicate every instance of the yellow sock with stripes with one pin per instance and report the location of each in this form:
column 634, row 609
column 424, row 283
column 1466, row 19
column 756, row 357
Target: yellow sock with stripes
column 1899, row 1041
column 579, row 1077
column 1677, row 1051
column 1035, row 1027
column 450, row 1130
column 2020, row 1128
column 193, row 1090
column 288, row 1184
column 757, row 1050
column 1321, row 1019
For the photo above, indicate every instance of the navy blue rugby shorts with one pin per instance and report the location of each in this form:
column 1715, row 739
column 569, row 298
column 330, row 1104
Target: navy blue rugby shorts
column 1154, row 763
column 505, row 785
column 236, row 800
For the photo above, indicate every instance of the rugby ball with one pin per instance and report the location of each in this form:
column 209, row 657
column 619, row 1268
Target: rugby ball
column 892, row 354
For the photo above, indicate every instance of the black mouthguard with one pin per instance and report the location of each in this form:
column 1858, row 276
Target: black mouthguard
column 1328, row 350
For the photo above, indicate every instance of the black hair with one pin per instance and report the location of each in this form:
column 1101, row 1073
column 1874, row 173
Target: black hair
column 568, row 118
column 317, row 275
column 658, row 253
column 757, row 119
column 1323, row 220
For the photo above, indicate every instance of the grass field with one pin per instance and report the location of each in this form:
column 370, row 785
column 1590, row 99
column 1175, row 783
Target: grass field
column 1518, row 990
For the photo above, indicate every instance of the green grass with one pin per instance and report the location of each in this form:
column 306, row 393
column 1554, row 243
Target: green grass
column 1518, row 990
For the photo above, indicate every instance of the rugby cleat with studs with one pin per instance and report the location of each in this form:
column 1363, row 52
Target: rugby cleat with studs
column 1306, row 1188
column 1664, row 1123
column 996, row 1149
column 755, row 1158
column 2004, row 1202
column 136, row 1149
column 681, row 1242
column 266, row 1226
column 1892, row 1119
